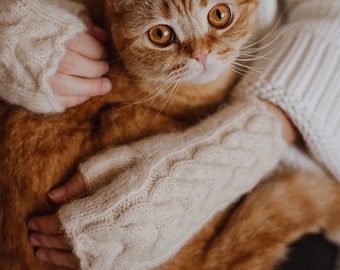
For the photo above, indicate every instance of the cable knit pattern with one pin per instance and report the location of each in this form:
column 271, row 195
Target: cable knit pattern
column 303, row 78
column 146, row 214
column 33, row 35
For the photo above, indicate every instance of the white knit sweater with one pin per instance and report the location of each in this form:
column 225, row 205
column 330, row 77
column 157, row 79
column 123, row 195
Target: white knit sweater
column 174, row 183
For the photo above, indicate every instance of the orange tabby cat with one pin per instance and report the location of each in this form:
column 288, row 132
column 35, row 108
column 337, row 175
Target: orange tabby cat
column 39, row 152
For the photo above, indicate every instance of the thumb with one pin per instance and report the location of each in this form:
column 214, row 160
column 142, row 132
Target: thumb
column 99, row 170
column 72, row 189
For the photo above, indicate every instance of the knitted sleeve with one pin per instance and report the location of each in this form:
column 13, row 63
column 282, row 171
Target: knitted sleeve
column 303, row 76
column 177, row 183
column 33, row 35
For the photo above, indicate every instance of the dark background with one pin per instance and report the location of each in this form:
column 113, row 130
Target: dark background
column 312, row 252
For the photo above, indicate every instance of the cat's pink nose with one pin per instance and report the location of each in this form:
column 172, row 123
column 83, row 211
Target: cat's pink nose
column 201, row 57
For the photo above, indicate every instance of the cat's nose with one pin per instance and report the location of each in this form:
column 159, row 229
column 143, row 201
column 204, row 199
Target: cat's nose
column 201, row 57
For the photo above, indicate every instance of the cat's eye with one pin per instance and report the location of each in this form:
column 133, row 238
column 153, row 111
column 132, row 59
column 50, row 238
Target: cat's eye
column 161, row 35
column 220, row 16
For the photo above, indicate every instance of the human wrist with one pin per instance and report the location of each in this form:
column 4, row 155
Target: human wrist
column 289, row 131
column 29, row 69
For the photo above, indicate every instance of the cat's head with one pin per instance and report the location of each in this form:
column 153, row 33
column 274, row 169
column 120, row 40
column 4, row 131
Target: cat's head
column 180, row 40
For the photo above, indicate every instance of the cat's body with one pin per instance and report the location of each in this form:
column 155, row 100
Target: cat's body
column 39, row 152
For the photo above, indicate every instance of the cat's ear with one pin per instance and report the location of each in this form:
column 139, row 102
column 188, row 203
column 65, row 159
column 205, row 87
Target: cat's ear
column 116, row 5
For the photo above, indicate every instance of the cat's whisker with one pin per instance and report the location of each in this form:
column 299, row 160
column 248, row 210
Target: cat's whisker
column 163, row 89
column 273, row 31
column 170, row 94
column 265, row 37
column 153, row 96
column 150, row 95
column 254, row 57
column 115, row 60
column 243, row 68
column 160, row 91
column 249, row 58
column 125, row 77
column 142, row 96
column 253, row 52
column 273, row 36
column 261, row 48
column 237, row 70
column 241, row 71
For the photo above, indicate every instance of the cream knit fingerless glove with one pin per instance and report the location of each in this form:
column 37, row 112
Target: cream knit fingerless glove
column 32, row 43
column 174, row 185
column 303, row 77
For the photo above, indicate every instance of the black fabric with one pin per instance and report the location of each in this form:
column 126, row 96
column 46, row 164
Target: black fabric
column 312, row 252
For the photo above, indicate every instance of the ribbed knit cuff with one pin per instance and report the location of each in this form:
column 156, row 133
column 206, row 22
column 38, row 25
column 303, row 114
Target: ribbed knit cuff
column 303, row 78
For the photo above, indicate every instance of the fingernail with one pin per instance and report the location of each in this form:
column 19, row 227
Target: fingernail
column 107, row 69
column 41, row 255
column 57, row 194
column 31, row 225
column 83, row 99
column 106, row 86
column 34, row 241
column 103, row 35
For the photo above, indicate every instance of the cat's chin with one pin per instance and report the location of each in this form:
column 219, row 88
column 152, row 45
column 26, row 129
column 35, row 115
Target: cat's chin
column 204, row 77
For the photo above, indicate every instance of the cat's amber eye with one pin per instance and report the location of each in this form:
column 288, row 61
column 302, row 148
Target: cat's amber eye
column 161, row 35
column 220, row 16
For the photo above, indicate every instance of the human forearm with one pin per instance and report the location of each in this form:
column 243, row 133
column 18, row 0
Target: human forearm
column 226, row 156
column 302, row 77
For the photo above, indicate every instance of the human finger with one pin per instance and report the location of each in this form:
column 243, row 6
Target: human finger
column 93, row 29
column 71, row 101
column 88, row 46
column 56, row 241
column 48, row 224
column 58, row 257
column 98, row 33
column 67, row 85
column 72, row 189
column 78, row 65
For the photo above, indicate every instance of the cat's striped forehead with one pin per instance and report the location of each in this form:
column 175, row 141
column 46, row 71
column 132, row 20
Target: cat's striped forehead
column 180, row 7
column 171, row 8
column 188, row 18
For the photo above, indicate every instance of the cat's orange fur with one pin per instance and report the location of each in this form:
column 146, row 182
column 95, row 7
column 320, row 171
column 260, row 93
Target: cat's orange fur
column 255, row 233
column 40, row 152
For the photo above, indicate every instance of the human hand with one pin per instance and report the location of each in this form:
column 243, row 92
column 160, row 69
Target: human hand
column 52, row 245
column 80, row 73
column 46, row 231
column 78, row 78
column 201, row 161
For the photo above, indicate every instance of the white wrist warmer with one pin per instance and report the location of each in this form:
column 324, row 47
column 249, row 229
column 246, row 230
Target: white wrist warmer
column 33, row 35
column 174, row 185
column 303, row 77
